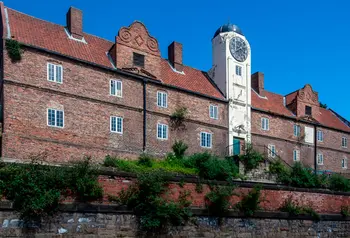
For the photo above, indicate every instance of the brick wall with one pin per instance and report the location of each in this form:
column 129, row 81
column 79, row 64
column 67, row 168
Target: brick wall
column 84, row 96
column 282, row 136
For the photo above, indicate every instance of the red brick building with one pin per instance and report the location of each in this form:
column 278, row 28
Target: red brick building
column 74, row 94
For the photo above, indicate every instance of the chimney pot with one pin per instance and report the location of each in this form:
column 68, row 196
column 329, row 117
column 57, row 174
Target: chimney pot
column 75, row 22
column 175, row 55
column 257, row 83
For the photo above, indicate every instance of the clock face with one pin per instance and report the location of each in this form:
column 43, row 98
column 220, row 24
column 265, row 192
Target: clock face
column 238, row 49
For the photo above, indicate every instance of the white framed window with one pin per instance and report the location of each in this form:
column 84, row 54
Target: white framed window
column 272, row 151
column 116, row 88
column 320, row 136
column 162, row 131
column 296, row 155
column 344, row 163
column 54, row 73
column 55, row 118
column 116, row 124
column 296, row 129
column 265, row 124
column 206, row 139
column 213, row 112
column 238, row 70
column 344, row 142
column 162, row 99
column 320, row 159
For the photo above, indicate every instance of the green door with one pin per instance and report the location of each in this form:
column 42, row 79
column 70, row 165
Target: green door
column 236, row 146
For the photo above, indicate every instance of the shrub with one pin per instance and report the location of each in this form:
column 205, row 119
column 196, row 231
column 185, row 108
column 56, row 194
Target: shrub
column 13, row 48
column 250, row 203
column 145, row 160
column 345, row 211
column 145, row 198
column 339, row 183
column 177, row 118
column 251, row 159
column 179, row 148
column 294, row 209
column 36, row 190
column 218, row 200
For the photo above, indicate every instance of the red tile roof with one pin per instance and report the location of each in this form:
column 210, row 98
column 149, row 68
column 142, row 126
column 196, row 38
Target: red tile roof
column 271, row 102
column 274, row 103
column 50, row 36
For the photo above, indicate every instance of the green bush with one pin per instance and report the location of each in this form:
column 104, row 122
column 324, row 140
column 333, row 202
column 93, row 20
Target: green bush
column 250, row 203
column 179, row 148
column 211, row 167
column 13, row 48
column 345, row 211
column 145, row 160
column 36, row 190
column 218, row 200
column 145, row 198
column 294, row 209
column 251, row 159
column 339, row 183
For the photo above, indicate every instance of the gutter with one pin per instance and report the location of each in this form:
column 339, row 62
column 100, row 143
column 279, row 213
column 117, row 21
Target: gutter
column 144, row 116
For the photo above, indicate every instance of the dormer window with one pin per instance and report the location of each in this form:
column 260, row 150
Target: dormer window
column 308, row 110
column 138, row 60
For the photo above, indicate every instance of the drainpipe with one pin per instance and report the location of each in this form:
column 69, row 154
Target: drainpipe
column 315, row 148
column 144, row 116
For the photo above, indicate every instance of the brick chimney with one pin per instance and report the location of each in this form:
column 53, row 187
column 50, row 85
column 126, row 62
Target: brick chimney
column 258, row 83
column 175, row 55
column 75, row 22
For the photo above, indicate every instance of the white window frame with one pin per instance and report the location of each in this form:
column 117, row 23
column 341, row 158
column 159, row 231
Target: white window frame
column 344, row 142
column 271, row 152
column 55, row 66
column 162, row 94
column 267, row 124
column 320, row 155
column 116, row 124
column 47, row 117
column 344, row 163
column 117, row 93
column 163, row 126
column 205, row 135
column 296, row 130
column 296, row 155
column 239, row 70
column 212, row 111
column 319, row 136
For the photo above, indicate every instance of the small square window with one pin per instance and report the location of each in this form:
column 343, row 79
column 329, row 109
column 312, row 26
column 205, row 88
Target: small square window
column 139, row 60
column 320, row 136
column 308, row 110
column 296, row 130
column 344, row 142
column 272, row 151
column 320, row 159
column 265, row 124
column 116, row 124
column 296, row 155
column 54, row 73
column 213, row 111
column 116, row 88
column 162, row 99
column 162, row 131
column 238, row 70
column 206, row 140
column 55, row 118
column 344, row 163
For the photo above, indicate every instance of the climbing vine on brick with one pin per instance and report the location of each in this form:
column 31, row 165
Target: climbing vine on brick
column 14, row 50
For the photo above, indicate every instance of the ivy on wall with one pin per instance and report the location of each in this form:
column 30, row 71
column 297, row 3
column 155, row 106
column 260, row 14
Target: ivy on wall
column 14, row 50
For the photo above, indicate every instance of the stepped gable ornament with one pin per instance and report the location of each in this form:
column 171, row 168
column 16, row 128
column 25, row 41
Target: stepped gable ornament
column 138, row 37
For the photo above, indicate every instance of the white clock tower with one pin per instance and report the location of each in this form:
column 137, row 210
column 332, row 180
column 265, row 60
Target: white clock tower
column 231, row 72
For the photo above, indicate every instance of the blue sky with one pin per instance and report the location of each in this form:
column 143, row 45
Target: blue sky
column 293, row 42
